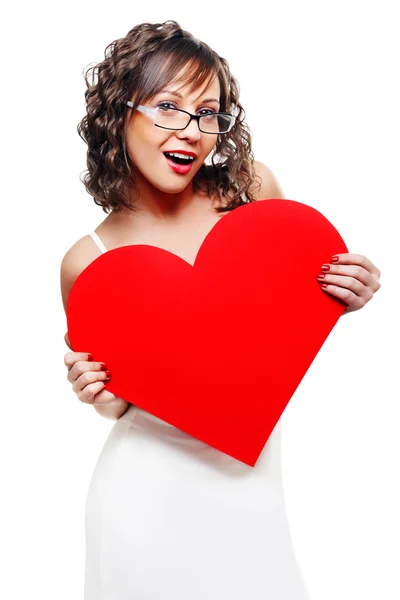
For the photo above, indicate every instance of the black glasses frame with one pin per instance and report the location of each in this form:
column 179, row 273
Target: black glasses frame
column 152, row 112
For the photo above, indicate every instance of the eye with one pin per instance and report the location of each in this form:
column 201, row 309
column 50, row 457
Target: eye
column 208, row 111
column 165, row 106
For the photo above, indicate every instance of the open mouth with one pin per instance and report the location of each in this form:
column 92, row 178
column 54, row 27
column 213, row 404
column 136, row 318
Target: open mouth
column 178, row 160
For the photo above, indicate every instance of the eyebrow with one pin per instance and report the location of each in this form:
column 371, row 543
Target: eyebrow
column 180, row 96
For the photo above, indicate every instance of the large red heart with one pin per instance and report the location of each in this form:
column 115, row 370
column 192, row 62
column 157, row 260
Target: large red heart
column 218, row 349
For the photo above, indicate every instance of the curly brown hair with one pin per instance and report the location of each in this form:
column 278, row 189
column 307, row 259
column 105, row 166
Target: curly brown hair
column 143, row 63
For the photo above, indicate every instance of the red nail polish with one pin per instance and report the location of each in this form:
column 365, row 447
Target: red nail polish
column 321, row 276
column 324, row 285
column 103, row 367
column 325, row 268
column 334, row 259
column 90, row 357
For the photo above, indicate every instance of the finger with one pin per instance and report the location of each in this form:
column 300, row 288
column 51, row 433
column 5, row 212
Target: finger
column 349, row 283
column 357, row 259
column 360, row 284
column 349, row 298
column 72, row 357
column 103, row 397
column 88, row 393
column 88, row 378
column 354, row 271
column 82, row 366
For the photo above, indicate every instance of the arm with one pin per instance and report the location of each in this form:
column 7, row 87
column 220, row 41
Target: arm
column 270, row 187
column 113, row 410
column 351, row 278
column 76, row 259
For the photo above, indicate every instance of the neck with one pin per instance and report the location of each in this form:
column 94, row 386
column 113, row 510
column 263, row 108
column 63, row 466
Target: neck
column 154, row 206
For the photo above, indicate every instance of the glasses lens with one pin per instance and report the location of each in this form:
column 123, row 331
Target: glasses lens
column 171, row 118
column 215, row 123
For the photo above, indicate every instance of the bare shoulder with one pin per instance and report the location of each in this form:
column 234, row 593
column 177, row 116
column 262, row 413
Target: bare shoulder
column 270, row 187
column 76, row 259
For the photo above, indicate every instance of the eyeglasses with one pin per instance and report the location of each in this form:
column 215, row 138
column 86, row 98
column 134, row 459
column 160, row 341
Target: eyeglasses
column 178, row 119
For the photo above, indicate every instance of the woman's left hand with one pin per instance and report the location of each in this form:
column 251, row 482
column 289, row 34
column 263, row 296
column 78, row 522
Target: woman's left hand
column 352, row 278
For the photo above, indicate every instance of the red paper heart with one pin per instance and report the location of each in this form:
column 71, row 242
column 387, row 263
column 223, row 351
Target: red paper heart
column 218, row 349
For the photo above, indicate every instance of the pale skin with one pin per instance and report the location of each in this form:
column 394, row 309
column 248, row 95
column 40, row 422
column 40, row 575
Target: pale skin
column 172, row 216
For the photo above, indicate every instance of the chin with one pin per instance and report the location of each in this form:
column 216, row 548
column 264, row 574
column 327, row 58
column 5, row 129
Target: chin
column 172, row 189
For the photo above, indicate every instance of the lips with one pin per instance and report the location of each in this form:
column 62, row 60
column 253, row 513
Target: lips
column 180, row 169
column 186, row 152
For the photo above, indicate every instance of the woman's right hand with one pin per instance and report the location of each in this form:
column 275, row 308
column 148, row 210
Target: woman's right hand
column 88, row 378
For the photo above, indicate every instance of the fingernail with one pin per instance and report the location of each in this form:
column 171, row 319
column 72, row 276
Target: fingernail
column 108, row 374
column 325, row 268
column 90, row 356
column 334, row 259
column 103, row 367
column 324, row 285
column 321, row 276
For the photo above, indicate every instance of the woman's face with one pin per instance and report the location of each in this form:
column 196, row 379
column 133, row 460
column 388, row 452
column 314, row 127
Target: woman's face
column 147, row 143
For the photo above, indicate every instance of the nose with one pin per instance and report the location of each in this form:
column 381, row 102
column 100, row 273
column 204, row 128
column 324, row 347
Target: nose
column 192, row 132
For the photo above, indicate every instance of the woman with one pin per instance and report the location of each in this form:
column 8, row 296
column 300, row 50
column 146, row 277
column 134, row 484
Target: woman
column 168, row 517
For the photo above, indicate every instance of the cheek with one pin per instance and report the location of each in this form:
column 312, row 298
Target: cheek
column 209, row 146
column 143, row 145
column 212, row 142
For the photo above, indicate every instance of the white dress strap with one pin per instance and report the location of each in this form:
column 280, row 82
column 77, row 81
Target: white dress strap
column 98, row 242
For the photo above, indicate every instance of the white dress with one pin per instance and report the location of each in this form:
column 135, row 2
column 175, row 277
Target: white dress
column 170, row 518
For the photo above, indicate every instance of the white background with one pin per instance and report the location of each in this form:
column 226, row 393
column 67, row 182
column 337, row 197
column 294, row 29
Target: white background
column 319, row 83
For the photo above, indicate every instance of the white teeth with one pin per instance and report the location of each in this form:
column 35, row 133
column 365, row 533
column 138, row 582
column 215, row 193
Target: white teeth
column 180, row 155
